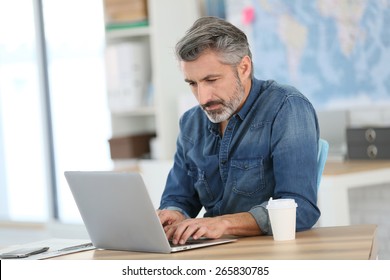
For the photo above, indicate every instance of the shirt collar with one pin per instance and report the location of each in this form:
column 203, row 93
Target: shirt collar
column 252, row 96
column 213, row 128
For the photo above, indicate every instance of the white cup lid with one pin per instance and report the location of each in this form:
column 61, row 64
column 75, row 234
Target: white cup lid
column 281, row 203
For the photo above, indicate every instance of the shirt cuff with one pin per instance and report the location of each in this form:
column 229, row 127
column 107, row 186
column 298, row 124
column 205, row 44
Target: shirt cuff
column 174, row 208
column 260, row 214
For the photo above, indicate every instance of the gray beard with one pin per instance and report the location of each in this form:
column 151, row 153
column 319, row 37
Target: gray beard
column 229, row 107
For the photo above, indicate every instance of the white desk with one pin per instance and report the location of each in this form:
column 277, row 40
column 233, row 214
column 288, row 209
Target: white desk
column 338, row 178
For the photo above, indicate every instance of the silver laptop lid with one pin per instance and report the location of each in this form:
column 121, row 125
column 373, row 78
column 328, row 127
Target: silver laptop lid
column 117, row 211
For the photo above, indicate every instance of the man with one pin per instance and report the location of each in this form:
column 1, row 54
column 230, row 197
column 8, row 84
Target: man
column 249, row 140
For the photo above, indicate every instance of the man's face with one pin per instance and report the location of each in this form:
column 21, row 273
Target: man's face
column 216, row 86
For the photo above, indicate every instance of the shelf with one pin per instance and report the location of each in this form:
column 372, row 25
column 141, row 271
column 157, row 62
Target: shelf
column 121, row 33
column 139, row 112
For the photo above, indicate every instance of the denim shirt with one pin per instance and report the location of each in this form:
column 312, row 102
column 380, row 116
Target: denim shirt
column 269, row 149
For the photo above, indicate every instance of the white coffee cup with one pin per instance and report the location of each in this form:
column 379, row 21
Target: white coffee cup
column 282, row 213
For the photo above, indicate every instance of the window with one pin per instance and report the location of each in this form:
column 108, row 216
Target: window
column 23, row 172
column 79, row 113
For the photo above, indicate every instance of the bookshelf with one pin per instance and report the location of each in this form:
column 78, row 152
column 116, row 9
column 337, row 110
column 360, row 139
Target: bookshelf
column 167, row 22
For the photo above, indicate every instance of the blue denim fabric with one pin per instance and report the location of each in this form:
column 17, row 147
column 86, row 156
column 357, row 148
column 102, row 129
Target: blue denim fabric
column 269, row 149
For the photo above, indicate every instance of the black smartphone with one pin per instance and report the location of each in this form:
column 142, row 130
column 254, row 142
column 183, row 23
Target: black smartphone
column 23, row 252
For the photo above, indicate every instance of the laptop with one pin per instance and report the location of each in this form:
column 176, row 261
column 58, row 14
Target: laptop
column 119, row 214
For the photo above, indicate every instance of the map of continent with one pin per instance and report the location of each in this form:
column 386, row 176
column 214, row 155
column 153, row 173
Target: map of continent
column 334, row 51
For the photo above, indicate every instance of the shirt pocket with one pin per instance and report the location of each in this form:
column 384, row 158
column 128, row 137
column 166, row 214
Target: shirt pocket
column 201, row 185
column 247, row 176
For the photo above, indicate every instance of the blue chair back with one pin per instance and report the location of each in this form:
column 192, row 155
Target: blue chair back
column 323, row 148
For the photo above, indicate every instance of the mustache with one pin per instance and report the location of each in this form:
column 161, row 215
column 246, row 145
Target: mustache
column 211, row 103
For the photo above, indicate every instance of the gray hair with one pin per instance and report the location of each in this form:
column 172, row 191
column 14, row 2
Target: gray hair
column 217, row 35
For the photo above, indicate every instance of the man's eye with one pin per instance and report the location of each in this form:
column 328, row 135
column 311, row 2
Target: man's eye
column 211, row 81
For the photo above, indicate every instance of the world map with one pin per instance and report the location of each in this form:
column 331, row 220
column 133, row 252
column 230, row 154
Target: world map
column 336, row 52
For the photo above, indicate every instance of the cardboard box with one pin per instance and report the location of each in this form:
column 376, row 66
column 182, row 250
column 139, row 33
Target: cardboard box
column 368, row 143
column 125, row 11
column 133, row 146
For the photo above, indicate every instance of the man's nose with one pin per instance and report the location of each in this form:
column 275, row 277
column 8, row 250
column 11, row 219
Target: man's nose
column 204, row 94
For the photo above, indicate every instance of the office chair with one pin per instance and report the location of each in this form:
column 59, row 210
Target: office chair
column 323, row 148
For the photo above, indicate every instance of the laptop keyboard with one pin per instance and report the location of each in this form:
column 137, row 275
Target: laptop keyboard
column 191, row 242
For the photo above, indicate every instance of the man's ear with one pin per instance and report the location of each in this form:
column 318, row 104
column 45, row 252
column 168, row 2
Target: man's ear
column 245, row 67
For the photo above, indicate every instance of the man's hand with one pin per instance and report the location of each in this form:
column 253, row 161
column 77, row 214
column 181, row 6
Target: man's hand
column 179, row 229
column 196, row 228
column 170, row 217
